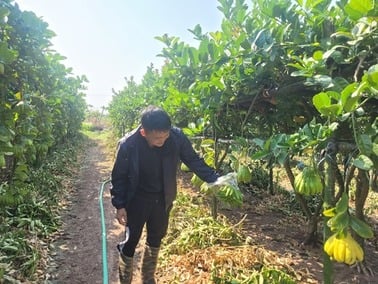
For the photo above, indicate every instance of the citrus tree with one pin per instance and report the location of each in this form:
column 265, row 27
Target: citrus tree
column 41, row 109
column 41, row 102
column 298, row 80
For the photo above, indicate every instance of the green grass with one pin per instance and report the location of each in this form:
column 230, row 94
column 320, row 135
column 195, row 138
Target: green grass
column 29, row 221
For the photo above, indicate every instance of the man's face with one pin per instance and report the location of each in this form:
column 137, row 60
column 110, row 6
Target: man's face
column 155, row 138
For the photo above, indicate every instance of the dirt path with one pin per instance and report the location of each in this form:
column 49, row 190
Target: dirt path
column 77, row 256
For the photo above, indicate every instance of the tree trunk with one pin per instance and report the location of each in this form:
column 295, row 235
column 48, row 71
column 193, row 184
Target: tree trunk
column 362, row 191
column 329, row 201
column 271, row 185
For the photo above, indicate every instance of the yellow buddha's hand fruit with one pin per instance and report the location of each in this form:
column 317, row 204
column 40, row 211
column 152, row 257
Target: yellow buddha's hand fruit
column 344, row 249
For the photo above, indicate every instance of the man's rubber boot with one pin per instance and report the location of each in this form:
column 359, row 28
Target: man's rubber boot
column 125, row 269
column 150, row 258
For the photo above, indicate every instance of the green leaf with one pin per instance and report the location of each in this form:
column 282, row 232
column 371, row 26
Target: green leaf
column 197, row 31
column 246, row 45
column 321, row 100
column 365, row 144
column 6, row 135
column 350, row 97
column 375, row 149
column 358, row 8
column 193, row 55
column 372, row 76
column 261, row 155
column 322, row 103
column 207, row 143
column 10, row 248
column 217, row 36
column 352, row 103
column 332, row 110
column 363, row 162
column 2, row 161
column 281, row 157
column 362, row 6
column 361, row 228
column 323, row 80
column 4, row 12
column 218, row 83
column 6, row 55
column 343, row 34
column 339, row 222
column 342, row 204
column 259, row 142
column 211, row 49
column 300, row 73
column 21, row 172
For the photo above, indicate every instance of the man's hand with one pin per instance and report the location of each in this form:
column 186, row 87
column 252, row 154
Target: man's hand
column 211, row 184
column 121, row 216
column 230, row 178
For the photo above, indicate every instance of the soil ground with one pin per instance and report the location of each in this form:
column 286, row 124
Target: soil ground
column 77, row 251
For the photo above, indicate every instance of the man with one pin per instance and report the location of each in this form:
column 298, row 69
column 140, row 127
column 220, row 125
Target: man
column 144, row 185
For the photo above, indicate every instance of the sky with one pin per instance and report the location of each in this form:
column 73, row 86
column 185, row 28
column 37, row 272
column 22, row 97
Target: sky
column 110, row 40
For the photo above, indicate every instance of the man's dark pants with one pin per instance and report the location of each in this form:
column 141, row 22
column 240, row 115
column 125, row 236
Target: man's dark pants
column 146, row 208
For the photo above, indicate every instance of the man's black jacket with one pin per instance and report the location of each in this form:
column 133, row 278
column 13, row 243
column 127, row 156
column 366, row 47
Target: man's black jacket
column 125, row 173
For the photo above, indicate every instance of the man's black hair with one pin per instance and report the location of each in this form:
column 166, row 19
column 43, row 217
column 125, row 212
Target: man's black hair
column 154, row 118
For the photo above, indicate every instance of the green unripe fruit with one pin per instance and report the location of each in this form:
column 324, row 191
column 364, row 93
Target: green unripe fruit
column 244, row 175
column 184, row 168
column 196, row 181
column 308, row 182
